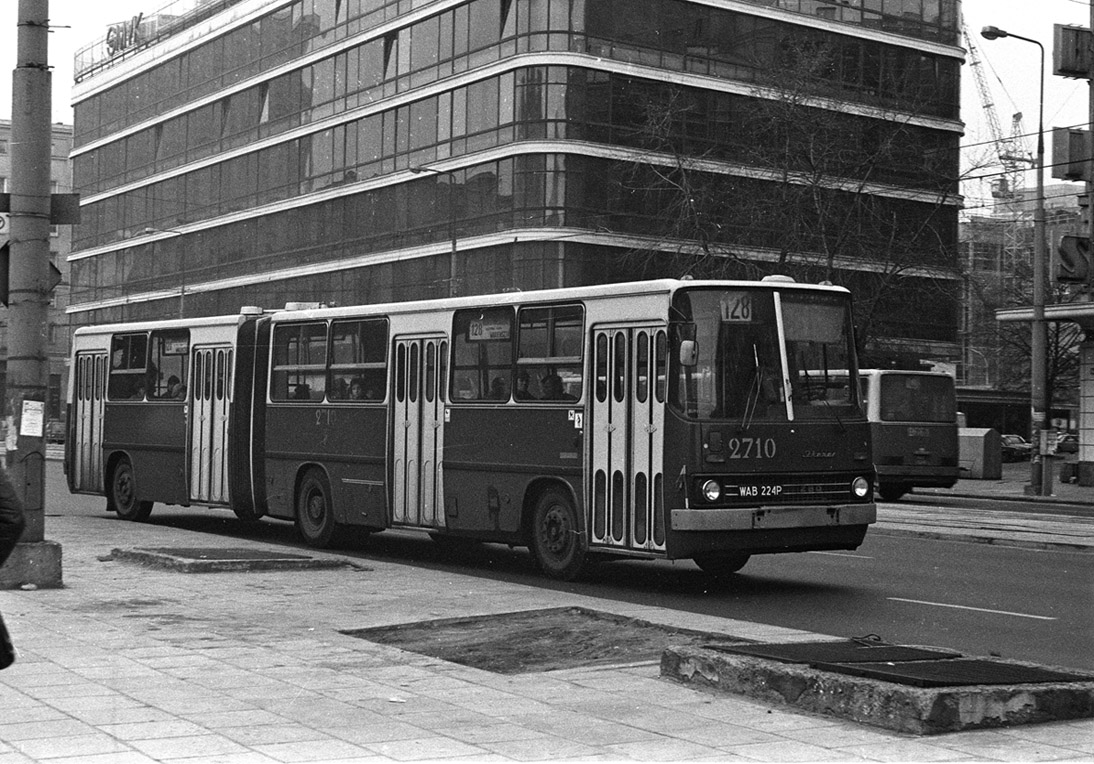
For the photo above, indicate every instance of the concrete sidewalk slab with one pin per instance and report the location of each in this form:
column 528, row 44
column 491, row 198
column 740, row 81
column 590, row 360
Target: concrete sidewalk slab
column 135, row 664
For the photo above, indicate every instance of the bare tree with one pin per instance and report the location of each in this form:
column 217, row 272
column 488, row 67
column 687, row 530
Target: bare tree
column 1012, row 341
column 793, row 184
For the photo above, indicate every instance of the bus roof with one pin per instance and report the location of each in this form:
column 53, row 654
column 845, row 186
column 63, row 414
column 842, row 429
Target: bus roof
column 630, row 288
column 171, row 323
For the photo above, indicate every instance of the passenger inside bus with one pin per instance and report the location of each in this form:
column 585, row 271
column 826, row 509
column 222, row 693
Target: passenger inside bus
column 522, row 393
column 553, row 389
column 175, row 388
column 499, row 389
column 357, row 391
column 339, row 389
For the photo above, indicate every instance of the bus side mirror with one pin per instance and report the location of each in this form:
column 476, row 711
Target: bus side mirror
column 689, row 352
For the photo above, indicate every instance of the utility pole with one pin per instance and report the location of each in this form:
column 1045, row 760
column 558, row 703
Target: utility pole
column 35, row 561
column 1090, row 132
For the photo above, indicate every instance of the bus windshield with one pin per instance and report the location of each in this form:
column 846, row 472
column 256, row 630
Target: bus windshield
column 742, row 370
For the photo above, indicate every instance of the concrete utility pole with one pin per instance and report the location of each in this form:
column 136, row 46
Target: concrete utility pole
column 35, row 561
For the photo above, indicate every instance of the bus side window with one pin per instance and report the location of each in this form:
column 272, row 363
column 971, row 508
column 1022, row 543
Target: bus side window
column 482, row 354
column 299, row 362
column 549, row 353
column 128, row 367
column 358, row 360
column 167, row 374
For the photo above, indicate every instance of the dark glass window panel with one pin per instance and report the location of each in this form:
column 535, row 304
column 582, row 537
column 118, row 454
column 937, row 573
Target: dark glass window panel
column 423, row 123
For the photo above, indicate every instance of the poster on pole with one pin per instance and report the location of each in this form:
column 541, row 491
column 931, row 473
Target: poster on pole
column 32, row 424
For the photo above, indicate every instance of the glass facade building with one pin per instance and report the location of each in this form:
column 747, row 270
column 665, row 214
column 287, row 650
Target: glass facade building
column 254, row 152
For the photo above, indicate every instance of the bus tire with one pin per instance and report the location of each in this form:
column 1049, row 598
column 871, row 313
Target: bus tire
column 891, row 491
column 723, row 564
column 123, row 493
column 557, row 542
column 315, row 510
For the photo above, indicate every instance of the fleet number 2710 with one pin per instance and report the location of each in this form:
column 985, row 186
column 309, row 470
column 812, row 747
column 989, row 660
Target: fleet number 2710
column 751, row 448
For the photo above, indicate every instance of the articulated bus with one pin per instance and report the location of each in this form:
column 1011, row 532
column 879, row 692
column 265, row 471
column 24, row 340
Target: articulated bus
column 660, row 420
column 913, row 426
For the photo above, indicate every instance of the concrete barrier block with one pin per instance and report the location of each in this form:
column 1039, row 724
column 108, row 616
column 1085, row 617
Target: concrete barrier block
column 915, row 710
column 34, row 562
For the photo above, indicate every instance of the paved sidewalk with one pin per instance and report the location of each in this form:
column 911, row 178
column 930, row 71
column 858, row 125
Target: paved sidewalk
column 133, row 664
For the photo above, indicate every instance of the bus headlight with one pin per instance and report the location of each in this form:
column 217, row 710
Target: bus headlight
column 860, row 487
column 711, row 490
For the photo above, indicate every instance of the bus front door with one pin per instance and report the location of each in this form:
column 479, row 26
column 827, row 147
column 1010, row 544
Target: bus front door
column 208, row 400
column 87, row 447
column 627, row 412
column 418, row 431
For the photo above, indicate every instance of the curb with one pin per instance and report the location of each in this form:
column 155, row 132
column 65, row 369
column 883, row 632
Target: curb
column 1052, row 546
column 989, row 495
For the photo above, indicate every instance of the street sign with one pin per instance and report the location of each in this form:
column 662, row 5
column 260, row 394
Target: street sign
column 5, row 225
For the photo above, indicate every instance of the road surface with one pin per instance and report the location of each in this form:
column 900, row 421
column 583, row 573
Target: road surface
column 980, row 599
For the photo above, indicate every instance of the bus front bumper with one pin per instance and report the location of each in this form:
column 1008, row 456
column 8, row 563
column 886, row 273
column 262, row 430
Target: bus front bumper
column 772, row 518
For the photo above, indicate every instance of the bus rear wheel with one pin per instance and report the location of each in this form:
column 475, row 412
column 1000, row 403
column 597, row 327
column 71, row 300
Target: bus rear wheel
column 557, row 542
column 123, row 494
column 721, row 565
column 315, row 510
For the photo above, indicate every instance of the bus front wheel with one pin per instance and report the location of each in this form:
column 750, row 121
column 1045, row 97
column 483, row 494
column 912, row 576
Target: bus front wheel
column 123, row 494
column 720, row 565
column 557, row 541
column 315, row 511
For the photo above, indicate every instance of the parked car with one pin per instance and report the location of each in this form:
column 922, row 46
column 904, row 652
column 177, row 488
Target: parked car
column 1067, row 443
column 1015, row 448
column 55, row 431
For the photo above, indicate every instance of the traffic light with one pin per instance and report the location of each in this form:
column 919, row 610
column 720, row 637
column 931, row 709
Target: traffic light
column 64, row 209
column 1074, row 263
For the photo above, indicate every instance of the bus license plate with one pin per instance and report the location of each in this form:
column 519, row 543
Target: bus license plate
column 761, row 491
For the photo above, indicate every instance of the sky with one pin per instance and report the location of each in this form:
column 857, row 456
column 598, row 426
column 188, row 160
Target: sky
column 1010, row 66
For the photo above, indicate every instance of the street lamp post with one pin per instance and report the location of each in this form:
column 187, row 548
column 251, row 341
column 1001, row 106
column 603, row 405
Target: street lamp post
column 1040, row 468
column 453, row 282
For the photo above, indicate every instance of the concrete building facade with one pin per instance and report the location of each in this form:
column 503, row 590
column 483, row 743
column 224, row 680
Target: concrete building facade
column 254, row 152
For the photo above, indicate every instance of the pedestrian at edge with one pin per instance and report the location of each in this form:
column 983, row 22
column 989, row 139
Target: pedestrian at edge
column 12, row 522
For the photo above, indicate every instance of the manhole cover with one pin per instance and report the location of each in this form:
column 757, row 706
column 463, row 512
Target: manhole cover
column 536, row 640
column 962, row 672
column 849, row 651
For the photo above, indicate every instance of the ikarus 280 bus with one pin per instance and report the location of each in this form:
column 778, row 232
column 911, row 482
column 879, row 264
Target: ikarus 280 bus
column 668, row 419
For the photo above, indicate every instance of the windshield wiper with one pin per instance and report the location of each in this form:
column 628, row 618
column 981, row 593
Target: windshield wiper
column 752, row 399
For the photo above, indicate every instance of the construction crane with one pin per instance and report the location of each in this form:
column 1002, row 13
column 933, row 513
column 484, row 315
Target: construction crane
column 1006, row 191
column 1013, row 156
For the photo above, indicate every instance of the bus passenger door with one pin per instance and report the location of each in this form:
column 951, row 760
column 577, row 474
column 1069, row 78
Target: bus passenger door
column 87, row 450
column 627, row 413
column 418, row 436
column 209, row 396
